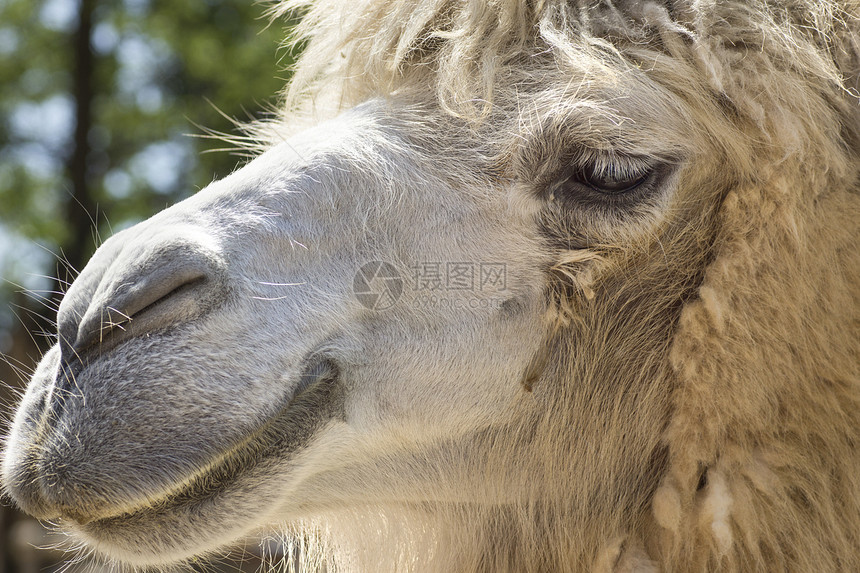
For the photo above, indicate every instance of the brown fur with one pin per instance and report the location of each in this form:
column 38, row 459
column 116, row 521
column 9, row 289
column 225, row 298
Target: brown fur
column 748, row 417
column 670, row 381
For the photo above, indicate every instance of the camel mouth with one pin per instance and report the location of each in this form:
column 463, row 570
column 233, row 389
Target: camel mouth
column 315, row 400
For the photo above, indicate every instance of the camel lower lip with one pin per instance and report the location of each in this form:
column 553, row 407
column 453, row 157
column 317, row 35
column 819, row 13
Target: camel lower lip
column 317, row 401
column 280, row 437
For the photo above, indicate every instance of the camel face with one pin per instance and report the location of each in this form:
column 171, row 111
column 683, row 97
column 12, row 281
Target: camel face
column 245, row 334
column 311, row 331
column 555, row 286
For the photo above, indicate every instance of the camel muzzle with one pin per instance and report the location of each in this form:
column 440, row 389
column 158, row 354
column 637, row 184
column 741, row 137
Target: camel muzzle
column 134, row 290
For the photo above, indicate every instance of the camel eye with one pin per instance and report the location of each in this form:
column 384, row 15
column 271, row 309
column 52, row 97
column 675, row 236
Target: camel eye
column 605, row 180
column 612, row 179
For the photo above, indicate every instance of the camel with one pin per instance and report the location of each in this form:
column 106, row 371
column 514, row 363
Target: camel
column 511, row 286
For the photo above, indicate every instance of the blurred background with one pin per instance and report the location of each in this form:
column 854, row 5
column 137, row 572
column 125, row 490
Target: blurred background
column 104, row 109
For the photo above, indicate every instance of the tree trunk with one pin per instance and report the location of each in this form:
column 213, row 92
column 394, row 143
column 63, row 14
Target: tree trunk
column 81, row 208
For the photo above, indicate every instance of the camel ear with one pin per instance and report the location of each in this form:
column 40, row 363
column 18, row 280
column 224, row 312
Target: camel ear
column 767, row 381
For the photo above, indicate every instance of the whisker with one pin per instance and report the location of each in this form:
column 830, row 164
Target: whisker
column 27, row 330
column 42, row 320
column 51, row 278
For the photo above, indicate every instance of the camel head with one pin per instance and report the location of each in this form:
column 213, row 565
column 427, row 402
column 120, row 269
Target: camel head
column 516, row 286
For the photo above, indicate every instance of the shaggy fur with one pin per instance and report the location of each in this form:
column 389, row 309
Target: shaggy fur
column 672, row 386
column 761, row 472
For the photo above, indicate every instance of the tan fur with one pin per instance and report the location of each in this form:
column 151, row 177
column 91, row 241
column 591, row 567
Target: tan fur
column 672, row 385
column 764, row 385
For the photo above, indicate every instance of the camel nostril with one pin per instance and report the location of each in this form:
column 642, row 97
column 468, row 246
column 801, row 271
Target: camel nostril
column 158, row 291
column 145, row 291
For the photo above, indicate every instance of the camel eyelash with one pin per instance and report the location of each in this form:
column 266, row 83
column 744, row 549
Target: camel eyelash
column 610, row 163
column 606, row 180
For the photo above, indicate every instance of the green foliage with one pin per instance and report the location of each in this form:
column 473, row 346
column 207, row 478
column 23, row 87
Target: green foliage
column 157, row 66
